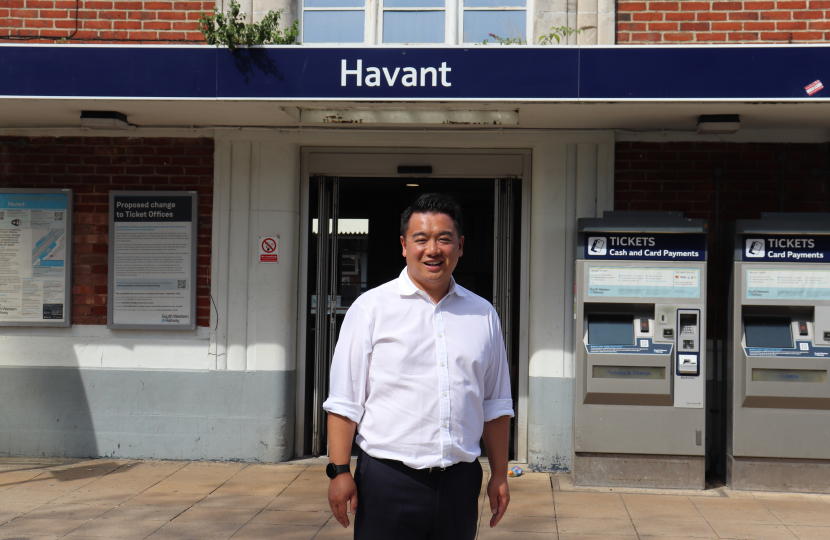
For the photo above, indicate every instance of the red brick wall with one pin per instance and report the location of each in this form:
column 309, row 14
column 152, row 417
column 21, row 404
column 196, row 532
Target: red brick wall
column 92, row 166
column 93, row 21
column 679, row 176
column 722, row 22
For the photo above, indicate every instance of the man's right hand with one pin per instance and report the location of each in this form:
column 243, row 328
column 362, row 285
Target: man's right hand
column 342, row 489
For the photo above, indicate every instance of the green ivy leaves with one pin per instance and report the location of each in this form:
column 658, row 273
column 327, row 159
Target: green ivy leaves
column 230, row 29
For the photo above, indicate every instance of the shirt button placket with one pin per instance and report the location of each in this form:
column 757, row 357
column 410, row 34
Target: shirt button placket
column 443, row 385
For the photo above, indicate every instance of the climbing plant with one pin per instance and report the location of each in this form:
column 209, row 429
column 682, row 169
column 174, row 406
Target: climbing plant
column 505, row 41
column 230, row 29
column 559, row 32
column 556, row 34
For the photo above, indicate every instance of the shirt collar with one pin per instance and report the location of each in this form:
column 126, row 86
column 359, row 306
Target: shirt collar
column 407, row 288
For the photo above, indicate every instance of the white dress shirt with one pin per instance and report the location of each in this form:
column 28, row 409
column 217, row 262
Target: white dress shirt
column 419, row 378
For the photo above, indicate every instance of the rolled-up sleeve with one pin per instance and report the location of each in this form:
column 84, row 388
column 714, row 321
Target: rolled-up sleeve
column 349, row 366
column 497, row 399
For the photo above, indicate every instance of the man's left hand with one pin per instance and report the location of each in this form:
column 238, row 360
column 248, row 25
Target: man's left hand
column 499, row 494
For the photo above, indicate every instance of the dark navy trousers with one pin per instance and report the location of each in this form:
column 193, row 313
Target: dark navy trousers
column 396, row 502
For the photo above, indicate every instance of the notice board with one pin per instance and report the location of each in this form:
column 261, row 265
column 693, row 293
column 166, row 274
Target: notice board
column 35, row 257
column 152, row 260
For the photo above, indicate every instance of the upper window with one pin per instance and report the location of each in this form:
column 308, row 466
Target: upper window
column 492, row 19
column 398, row 22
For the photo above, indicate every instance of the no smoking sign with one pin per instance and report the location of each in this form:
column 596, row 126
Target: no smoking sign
column 269, row 249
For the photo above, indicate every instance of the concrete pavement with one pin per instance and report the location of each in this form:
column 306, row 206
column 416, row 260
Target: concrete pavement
column 175, row 500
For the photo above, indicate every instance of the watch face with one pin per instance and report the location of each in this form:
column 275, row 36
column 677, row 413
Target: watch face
column 331, row 470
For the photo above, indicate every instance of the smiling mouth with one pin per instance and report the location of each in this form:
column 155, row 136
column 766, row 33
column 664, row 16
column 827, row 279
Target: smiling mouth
column 433, row 264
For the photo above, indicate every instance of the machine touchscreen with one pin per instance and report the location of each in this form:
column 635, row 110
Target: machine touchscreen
column 768, row 332
column 604, row 329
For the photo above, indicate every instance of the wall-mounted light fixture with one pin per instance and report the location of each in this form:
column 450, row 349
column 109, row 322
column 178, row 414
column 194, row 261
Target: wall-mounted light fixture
column 718, row 124
column 104, row 120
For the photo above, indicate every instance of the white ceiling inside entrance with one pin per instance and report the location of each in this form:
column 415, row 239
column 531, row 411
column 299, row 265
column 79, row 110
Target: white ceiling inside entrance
column 623, row 116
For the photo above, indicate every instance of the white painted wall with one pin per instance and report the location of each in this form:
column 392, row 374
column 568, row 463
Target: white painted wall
column 256, row 194
column 98, row 347
column 570, row 181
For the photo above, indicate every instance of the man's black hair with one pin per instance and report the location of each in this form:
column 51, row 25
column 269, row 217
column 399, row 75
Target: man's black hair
column 433, row 203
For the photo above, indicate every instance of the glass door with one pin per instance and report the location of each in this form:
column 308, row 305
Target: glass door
column 354, row 246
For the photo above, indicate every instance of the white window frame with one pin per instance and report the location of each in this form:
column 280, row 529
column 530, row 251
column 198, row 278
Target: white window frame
column 464, row 9
column 453, row 23
column 368, row 27
column 449, row 38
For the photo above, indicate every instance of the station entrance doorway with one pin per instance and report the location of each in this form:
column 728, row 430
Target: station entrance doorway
column 353, row 246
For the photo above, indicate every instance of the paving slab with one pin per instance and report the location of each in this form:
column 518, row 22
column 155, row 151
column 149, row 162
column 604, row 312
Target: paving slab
column 811, row 533
column 699, row 528
column 272, row 532
column 25, row 526
column 167, row 500
column 103, row 497
column 617, row 527
column 498, row 534
column 680, row 502
column 108, row 528
column 290, row 517
column 816, row 505
column 17, row 496
column 195, row 531
column 601, row 499
column 217, row 515
column 517, row 523
column 299, row 504
column 740, row 515
column 144, row 513
column 525, row 509
column 222, row 500
column 69, row 511
column 595, row 537
column 665, row 513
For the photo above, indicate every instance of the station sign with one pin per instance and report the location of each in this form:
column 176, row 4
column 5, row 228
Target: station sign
column 785, row 248
column 645, row 246
column 418, row 73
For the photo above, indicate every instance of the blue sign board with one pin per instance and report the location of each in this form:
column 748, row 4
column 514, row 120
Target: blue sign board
column 529, row 73
column 645, row 246
column 785, row 248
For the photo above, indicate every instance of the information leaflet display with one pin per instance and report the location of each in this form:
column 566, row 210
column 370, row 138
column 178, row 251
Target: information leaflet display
column 634, row 282
column 35, row 257
column 152, row 260
column 769, row 284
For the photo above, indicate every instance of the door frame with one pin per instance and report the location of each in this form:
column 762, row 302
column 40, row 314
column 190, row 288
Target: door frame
column 346, row 162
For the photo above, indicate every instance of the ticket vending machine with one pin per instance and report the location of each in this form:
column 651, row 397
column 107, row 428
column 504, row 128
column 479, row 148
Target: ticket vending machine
column 640, row 351
column 778, row 355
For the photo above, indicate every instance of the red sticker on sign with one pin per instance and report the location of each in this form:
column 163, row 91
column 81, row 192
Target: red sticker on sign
column 813, row 87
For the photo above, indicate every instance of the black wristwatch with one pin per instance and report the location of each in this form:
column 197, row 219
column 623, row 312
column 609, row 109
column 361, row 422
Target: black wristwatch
column 333, row 470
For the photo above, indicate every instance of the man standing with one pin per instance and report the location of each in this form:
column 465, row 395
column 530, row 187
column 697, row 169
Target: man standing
column 420, row 370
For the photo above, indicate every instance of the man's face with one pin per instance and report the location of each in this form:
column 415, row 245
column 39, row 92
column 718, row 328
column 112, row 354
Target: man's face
column 432, row 248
